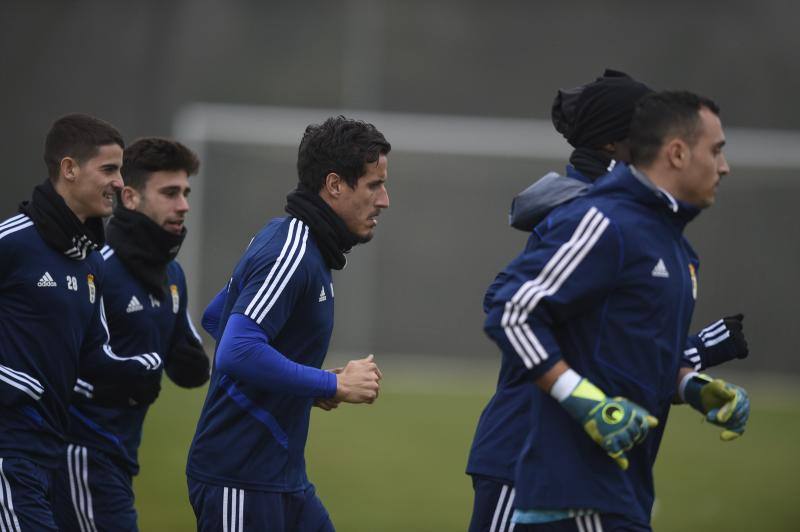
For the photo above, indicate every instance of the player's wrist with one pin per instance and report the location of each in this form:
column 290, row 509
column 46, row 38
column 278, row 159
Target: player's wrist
column 342, row 388
column 691, row 387
column 565, row 384
column 576, row 394
column 331, row 385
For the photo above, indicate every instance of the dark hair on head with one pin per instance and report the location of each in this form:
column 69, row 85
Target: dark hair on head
column 153, row 154
column 662, row 115
column 340, row 145
column 78, row 136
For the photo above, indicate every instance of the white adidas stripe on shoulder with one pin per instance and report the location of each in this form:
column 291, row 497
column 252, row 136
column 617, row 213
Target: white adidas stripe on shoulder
column 289, row 258
column 550, row 279
column 14, row 224
column 13, row 220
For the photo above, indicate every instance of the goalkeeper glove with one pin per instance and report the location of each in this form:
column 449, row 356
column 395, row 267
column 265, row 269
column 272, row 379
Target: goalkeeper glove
column 723, row 404
column 615, row 424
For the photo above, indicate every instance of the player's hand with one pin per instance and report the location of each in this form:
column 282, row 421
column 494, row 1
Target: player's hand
column 723, row 341
column 326, row 404
column 722, row 403
column 145, row 390
column 187, row 363
column 358, row 382
column 615, row 424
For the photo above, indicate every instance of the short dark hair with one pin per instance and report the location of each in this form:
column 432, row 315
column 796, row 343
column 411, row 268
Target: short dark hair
column 661, row 115
column 153, row 154
column 78, row 136
column 341, row 145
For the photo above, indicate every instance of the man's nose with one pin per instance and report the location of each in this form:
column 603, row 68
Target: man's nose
column 183, row 204
column 383, row 199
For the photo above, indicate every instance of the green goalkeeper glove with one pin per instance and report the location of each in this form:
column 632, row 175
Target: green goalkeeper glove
column 723, row 404
column 615, row 424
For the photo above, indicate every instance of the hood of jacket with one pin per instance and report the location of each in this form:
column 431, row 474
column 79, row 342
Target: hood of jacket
column 533, row 204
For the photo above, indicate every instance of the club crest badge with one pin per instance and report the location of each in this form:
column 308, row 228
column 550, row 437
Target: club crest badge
column 92, row 289
column 693, row 275
column 176, row 300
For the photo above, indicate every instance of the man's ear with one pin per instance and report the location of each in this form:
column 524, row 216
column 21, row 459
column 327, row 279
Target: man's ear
column 69, row 169
column 677, row 153
column 130, row 198
column 333, row 184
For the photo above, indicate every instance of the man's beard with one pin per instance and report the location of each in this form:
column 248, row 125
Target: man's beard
column 364, row 239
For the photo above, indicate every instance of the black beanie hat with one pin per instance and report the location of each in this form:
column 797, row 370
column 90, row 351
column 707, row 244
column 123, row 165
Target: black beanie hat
column 599, row 112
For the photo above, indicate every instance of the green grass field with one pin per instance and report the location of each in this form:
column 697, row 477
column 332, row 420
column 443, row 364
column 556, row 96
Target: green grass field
column 399, row 464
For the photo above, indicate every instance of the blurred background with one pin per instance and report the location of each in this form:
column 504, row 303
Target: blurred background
column 462, row 89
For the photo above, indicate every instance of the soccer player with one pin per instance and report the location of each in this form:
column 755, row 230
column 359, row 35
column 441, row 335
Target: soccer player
column 145, row 303
column 51, row 329
column 246, row 469
column 598, row 312
column 595, row 119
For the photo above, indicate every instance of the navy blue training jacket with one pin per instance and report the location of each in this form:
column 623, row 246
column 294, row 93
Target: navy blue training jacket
column 504, row 422
column 610, row 288
column 51, row 332
column 251, row 433
column 138, row 322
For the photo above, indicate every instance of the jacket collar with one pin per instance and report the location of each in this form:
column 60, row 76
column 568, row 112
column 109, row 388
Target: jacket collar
column 628, row 181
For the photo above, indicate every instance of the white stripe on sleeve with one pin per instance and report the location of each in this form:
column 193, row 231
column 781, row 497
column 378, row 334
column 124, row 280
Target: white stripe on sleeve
column 255, row 304
column 84, row 388
column 193, row 328
column 22, row 381
column 151, row 361
column 286, row 278
column 550, row 279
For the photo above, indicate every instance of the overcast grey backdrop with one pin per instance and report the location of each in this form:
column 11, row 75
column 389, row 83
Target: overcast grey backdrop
column 418, row 287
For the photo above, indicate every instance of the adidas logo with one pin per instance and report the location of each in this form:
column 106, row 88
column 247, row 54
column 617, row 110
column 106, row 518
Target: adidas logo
column 46, row 280
column 660, row 270
column 322, row 296
column 134, row 305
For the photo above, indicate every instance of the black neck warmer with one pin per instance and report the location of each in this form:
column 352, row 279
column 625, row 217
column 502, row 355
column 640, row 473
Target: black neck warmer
column 330, row 232
column 144, row 247
column 591, row 163
column 59, row 226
